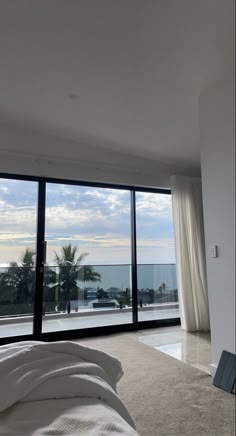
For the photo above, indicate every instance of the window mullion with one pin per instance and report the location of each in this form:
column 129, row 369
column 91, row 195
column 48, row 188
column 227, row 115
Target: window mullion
column 38, row 300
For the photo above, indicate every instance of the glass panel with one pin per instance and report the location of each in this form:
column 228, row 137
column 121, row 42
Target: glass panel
column 156, row 269
column 87, row 278
column 18, row 218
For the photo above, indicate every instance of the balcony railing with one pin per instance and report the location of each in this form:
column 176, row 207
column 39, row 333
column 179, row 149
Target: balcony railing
column 77, row 291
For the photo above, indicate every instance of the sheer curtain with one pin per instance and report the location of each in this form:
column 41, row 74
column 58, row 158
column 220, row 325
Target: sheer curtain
column 190, row 253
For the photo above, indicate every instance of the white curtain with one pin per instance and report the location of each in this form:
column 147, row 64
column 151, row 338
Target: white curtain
column 190, row 253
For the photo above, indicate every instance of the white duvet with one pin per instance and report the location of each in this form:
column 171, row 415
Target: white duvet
column 60, row 388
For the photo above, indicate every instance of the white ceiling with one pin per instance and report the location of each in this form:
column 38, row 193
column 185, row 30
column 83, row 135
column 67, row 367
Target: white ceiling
column 123, row 74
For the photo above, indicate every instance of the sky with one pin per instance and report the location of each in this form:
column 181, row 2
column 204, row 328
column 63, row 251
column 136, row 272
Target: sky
column 97, row 220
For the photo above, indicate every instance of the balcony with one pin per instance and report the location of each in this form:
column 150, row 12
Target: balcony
column 72, row 302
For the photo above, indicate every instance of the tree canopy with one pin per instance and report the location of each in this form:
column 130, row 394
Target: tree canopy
column 71, row 271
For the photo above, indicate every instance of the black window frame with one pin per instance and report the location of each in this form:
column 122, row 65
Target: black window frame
column 37, row 333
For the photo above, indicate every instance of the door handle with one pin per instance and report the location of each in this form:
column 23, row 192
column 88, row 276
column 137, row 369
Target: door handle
column 44, row 252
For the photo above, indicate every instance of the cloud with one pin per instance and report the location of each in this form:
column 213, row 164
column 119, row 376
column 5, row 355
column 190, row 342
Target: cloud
column 17, row 219
column 18, row 192
column 99, row 241
column 14, row 236
column 94, row 218
column 154, row 205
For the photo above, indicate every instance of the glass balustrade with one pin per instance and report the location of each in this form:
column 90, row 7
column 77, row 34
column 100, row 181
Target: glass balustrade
column 86, row 304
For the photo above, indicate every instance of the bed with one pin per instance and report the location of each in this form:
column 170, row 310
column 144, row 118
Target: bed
column 60, row 388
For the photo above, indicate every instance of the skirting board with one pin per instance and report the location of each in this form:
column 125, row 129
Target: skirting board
column 213, row 369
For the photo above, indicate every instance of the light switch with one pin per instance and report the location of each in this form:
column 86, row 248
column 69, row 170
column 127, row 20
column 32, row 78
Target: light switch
column 214, row 251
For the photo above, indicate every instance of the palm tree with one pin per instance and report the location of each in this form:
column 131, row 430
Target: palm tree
column 71, row 271
column 21, row 277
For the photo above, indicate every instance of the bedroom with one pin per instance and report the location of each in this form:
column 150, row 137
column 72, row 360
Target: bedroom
column 126, row 94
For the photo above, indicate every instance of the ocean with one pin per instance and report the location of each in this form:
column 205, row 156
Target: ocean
column 119, row 276
column 149, row 276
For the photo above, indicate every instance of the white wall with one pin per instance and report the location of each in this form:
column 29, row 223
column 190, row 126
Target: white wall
column 30, row 152
column 217, row 127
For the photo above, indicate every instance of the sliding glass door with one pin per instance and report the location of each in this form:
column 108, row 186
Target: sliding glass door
column 87, row 274
column 156, row 269
column 18, row 222
column 78, row 257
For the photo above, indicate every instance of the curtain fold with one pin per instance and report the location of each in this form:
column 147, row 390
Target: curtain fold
column 190, row 253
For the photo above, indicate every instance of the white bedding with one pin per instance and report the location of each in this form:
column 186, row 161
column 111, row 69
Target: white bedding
column 60, row 388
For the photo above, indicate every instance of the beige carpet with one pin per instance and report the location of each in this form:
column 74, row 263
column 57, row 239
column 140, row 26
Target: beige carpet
column 165, row 396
